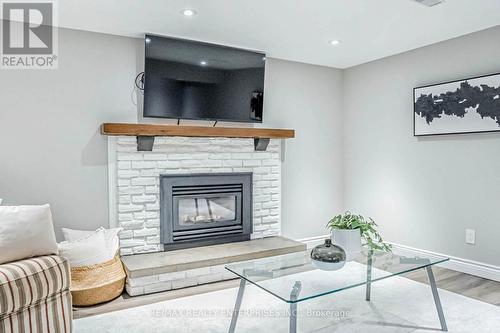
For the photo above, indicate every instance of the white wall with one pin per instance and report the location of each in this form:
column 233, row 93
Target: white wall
column 423, row 192
column 50, row 147
column 308, row 99
column 51, row 150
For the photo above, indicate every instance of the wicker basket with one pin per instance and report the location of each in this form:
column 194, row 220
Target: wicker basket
column 91, row 285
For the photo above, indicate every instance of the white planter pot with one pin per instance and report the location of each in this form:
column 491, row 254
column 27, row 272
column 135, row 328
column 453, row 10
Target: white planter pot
column 349, row 240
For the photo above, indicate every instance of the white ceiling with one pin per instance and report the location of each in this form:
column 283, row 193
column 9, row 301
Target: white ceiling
column 296, row 30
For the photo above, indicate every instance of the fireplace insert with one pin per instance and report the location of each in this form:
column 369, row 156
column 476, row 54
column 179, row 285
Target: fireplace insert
column 205, row 209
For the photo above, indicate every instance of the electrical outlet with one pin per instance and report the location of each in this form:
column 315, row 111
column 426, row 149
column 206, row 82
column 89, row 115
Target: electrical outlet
column 470, row 236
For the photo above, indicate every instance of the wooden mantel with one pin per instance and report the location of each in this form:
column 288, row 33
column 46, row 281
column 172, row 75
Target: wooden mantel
column 145, row 133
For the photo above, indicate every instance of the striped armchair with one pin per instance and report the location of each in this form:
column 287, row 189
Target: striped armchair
column 35, row 295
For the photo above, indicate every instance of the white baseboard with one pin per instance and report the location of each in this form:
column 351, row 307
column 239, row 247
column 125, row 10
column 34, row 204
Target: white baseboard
column 471, row 267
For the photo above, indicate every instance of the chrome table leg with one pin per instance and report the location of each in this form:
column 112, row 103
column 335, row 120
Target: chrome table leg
column 293, row 306
column 237, row 306
column 437, row 301
column 369, row 275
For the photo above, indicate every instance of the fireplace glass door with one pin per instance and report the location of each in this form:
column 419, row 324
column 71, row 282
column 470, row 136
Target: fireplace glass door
column 200, row 210
column 206, row 210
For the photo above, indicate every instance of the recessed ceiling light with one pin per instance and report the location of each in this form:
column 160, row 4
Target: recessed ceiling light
column 148, row 40
column 430, row 3
column 203, row 62
column 334, row 42
column 188, row 12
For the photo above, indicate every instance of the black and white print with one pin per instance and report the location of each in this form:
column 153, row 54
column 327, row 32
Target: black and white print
column 465, row 106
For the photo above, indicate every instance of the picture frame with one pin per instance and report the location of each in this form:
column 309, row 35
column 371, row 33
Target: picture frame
column 464, row 106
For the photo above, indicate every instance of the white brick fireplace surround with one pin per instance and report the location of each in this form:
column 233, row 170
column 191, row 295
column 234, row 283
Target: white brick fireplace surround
column 134, row 182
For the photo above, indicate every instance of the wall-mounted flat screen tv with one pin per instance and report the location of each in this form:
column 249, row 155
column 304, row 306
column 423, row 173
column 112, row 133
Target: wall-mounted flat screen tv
column 185, row 79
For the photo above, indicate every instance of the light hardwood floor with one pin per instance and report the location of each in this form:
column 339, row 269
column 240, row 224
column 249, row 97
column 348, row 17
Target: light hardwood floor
column 464, row 284
column 471, row 286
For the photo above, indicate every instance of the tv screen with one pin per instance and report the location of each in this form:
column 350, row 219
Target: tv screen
column 185, row 79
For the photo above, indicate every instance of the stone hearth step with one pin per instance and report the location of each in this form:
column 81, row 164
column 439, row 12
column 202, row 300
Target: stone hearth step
column 161, row 271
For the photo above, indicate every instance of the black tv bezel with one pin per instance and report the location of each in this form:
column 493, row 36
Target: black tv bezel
column 200, row 118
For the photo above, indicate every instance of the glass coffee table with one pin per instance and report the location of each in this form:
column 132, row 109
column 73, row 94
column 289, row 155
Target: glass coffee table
column 293, row 278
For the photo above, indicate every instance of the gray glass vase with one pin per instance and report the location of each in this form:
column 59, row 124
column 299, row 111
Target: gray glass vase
column 328, row 257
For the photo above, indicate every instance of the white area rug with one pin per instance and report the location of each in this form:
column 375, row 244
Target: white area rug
column 397, row 305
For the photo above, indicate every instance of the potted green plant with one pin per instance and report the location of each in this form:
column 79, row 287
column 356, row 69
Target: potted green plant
column 349, row 230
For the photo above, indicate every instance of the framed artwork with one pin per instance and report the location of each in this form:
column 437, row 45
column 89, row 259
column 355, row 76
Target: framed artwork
column 464, row 106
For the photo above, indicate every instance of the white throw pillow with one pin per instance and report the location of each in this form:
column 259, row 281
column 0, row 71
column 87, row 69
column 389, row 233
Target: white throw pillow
column 90, row 250
column 110, row 235
column 25, row 232
column 71, row 235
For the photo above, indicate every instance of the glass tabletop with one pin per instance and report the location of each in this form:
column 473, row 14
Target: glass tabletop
column 295, row 277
